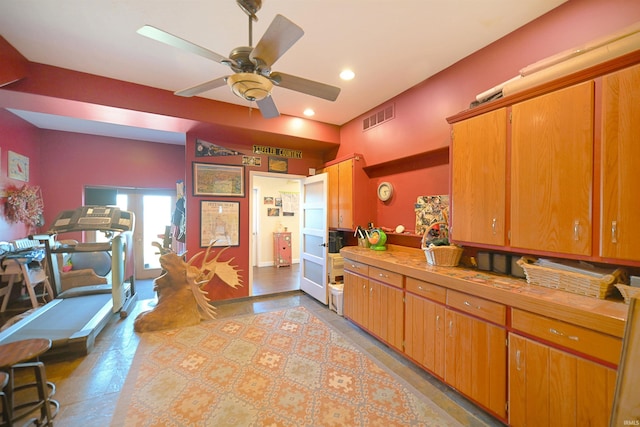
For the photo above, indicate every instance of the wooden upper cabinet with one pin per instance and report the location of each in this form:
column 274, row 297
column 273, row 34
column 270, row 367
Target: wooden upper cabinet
column 478, row 179
column 552, row 171
column 348, row 204
column 620, row 218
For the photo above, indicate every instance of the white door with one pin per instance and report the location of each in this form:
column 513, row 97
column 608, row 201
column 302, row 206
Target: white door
column 313, row 251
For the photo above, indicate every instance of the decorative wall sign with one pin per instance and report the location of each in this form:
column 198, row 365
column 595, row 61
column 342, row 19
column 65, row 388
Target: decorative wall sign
column 207, row 149
column 219, row 221
column 278, row 165
column 18, row 166
column 218, row 180
column 251, row 161
column 280, row 152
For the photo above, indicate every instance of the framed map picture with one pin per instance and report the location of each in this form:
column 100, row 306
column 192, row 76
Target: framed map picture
column 218, row 180
column 219, row 223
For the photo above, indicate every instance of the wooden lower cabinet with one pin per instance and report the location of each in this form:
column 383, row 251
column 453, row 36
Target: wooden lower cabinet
column 376, row 306
column 476, row 360
column 424, row 333
column 550, row 387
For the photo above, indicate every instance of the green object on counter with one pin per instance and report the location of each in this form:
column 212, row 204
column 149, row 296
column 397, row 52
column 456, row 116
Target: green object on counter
column 378, row 240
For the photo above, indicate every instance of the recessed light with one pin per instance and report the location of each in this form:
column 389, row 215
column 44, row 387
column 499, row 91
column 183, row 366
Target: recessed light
column 309, row 112
column 347, row 75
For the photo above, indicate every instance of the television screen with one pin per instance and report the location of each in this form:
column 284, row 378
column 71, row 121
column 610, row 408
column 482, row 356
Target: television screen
column 94, row 196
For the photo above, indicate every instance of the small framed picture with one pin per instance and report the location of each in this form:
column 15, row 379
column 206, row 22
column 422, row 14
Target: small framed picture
column 219, row 223
column 18, row 166
column 278, row 164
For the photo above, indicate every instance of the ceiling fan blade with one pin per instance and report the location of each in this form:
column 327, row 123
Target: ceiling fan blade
column 203, row 87
column 279, row 37
column 309, row 87
column 175, row 41
column 268, row 108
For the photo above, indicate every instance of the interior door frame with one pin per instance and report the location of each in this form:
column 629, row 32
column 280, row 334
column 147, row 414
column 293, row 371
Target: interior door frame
column 254, row 200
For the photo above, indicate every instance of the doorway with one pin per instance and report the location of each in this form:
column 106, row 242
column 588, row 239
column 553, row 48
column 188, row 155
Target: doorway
column 153, row 210
column 269, row 213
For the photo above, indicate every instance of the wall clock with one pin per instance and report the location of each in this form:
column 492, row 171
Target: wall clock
column 385, row 191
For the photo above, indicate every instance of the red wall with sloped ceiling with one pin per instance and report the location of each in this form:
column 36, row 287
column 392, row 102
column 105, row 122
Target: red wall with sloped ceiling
column 72, row 161
column 22, row 138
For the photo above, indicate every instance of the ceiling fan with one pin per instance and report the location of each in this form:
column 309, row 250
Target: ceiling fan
column 253, row 79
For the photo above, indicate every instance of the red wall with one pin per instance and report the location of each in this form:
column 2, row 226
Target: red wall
column 420, row 124
column 240, row 254
column 22, row 138
column 71, row 161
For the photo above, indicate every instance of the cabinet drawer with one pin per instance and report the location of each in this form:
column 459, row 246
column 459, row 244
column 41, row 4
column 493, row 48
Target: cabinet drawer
column 488, row 310
column 596, row 344
column 356, row 267
column 426, row 289
column 386, row 276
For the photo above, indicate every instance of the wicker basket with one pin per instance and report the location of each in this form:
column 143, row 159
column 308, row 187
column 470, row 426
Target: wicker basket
column 444, row 256
column 628, row 292
column 581, row 284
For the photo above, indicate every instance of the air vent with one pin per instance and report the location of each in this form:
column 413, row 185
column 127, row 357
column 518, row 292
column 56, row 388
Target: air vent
column 379, row 117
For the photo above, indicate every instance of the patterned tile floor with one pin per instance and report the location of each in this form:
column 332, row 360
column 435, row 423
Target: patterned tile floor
column 88, row 387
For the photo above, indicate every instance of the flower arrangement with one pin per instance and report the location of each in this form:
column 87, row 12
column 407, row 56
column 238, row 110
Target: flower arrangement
column 24, row 204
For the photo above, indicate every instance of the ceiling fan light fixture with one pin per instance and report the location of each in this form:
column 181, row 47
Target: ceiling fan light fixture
column 250, row 86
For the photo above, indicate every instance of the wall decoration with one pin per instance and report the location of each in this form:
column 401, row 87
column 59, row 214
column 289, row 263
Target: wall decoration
column 429, row 210
column 251, row 161
column 273, row 212
column 280, row 152
column 278, row 202
column 24, row 204
column 18, row 166
column 219, row 222
column 279, row 165
column 207, row 149
column 268, row 200
column 218, row 180
column 290, row 202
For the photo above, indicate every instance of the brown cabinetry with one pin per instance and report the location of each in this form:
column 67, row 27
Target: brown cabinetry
column 347, row 204
column 620, row 224
column 425, row 324
column 478, row 186
column 552, row 171
column 476, row 352
column 550, row 387
column 373, row 298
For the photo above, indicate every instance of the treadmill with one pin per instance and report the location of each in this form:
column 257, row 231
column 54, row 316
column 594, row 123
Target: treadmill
column 75, row 317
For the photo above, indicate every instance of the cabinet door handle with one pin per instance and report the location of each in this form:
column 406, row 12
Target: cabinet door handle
column 386, row 276
column 450, row 328
column 494, row 225
column 562, row 334
column 438, row 323
column 576, row 230
column 468, row 304
column 614, row 231
column 517, row 360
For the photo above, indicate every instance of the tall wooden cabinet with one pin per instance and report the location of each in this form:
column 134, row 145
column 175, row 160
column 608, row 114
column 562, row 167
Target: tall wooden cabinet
column 348, row 203
column 620, row 222
column 552, row 171
column 478, row 180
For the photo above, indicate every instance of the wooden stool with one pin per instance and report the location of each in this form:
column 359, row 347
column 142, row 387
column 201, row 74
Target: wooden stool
column 6, row 408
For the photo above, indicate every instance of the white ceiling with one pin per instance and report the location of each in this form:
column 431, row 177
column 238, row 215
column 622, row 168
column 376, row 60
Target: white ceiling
column 391, row 45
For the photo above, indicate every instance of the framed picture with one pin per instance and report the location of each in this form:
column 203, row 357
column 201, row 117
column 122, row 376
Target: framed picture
column 18, row 166
column 278, row 164
column 218, row 180
column 219, row 223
